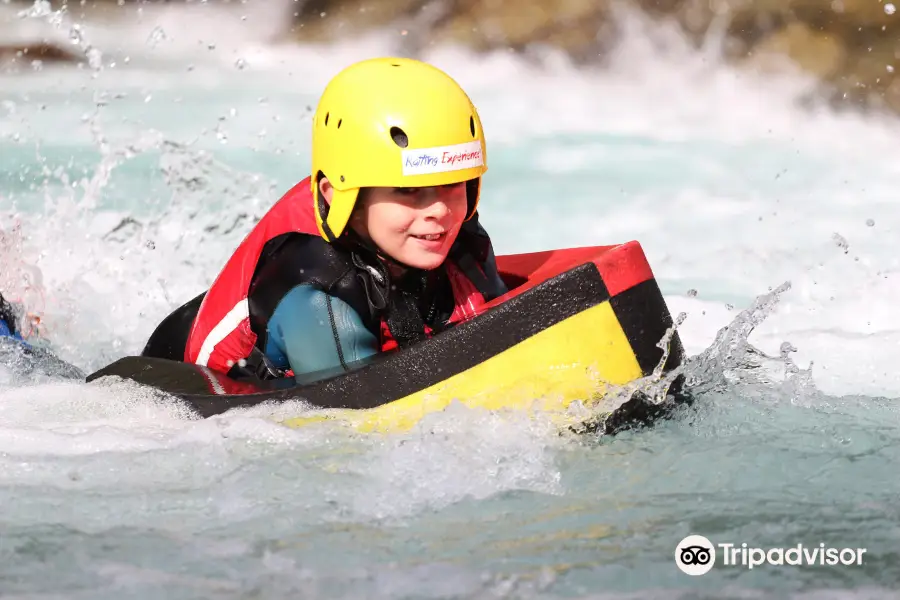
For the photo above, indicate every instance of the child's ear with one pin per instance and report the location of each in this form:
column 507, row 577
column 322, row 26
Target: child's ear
column 326, row 190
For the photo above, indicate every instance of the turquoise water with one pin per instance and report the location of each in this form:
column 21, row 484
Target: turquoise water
column 115, row 214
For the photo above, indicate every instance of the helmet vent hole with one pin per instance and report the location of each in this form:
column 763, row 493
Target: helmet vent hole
column 472, row 125
column 339, row 123
column 326, row 118
column 399, row 137
column 394, row 65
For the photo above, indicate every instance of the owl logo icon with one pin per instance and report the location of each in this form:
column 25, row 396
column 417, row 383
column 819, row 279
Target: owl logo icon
column 695, row 555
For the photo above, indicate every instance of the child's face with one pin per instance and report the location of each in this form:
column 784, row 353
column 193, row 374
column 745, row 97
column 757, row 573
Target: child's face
column 415, row 226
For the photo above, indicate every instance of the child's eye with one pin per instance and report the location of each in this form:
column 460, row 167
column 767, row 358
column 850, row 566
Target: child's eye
column 407, row 191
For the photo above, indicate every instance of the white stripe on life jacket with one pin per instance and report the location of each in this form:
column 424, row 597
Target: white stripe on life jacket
column 223, row 328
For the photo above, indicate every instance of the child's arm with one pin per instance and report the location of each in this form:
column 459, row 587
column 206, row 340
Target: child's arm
column 309, row 337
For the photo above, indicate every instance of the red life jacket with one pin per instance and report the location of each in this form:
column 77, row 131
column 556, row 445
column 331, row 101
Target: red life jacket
column 221, row 334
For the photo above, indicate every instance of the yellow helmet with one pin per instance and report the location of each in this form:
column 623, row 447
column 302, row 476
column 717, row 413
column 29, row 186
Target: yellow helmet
column 392, row 122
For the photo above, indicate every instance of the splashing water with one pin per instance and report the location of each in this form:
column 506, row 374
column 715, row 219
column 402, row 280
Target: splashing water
column 120, row 202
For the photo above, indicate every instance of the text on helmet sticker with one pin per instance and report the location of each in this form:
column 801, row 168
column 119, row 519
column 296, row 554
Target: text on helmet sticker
column 422, row 161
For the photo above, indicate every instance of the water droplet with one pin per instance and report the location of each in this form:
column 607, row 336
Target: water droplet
column 889, row 9
column 240, row 63
column 841, row 242
column 870, row 222
column 41, row 8
column 211, row 46
column 692, row 293
column 151, row 245
column 75, row 34
column 95, row 58
column 156, row 36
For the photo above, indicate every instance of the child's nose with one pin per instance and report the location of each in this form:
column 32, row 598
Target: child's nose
column 438, row 209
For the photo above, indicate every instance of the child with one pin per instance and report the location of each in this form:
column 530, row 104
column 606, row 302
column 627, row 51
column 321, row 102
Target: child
column 379, row 248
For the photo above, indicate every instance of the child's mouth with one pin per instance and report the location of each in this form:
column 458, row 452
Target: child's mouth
column 431, row 237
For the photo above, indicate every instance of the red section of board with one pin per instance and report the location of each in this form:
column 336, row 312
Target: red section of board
column 621, row 266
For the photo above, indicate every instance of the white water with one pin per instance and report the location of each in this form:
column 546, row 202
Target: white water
column 730, row 186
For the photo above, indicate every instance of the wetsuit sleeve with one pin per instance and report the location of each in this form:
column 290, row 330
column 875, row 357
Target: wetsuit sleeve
column 6, row 330
column 301, row 334
column 7, row 320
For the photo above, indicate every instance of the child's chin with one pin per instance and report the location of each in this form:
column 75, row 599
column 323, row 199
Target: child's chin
column 425, row 262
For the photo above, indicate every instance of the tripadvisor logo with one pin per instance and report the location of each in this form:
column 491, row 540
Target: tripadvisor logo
column 696, row 555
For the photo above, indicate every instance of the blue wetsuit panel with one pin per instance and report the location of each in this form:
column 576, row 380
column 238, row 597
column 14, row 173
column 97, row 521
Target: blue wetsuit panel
column 5, row 331
column 300, row 337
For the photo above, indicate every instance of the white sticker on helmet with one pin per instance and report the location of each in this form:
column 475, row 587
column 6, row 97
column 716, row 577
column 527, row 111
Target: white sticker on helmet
column 422, row 161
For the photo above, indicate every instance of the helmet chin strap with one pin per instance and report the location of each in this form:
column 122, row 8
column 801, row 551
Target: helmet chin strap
column 371, row 247
column 322, row 207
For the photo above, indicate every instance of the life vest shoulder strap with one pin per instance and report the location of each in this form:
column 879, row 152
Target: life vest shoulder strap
column 294, row 259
